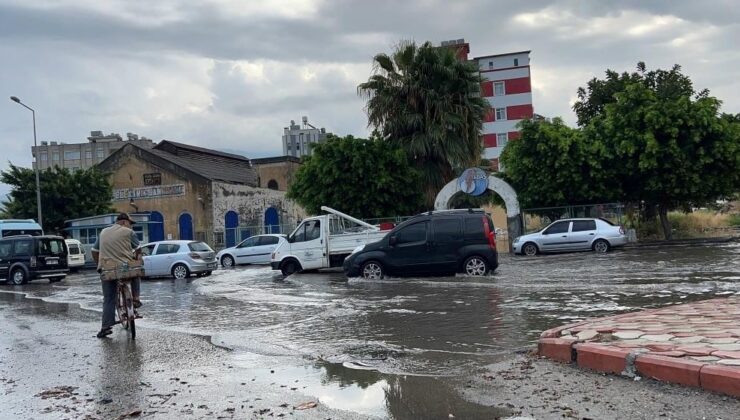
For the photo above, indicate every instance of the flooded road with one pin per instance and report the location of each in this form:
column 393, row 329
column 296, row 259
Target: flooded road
column 365, row 336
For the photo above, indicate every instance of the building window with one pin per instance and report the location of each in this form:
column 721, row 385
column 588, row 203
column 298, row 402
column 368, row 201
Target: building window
column 516, row 62
column 490, row 64
column 272, row 184
column 55, row 155
column 88, row 155
column 44, row 157
column 101, row 153
column 500, row 114
column 72, row 155
column 502, row 139
column 498, row 89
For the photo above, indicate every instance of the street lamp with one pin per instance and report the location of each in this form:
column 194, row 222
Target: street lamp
column 36, row 166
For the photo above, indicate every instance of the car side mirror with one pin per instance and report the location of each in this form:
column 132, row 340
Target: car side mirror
column 392, row 241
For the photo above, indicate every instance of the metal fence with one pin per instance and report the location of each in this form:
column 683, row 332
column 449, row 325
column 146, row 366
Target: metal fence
column 537, row 218
column 220, row 239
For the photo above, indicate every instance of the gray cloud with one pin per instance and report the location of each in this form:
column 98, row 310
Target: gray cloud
column 231, row 75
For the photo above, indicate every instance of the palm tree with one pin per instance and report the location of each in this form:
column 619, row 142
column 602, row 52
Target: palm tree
column 428, row 102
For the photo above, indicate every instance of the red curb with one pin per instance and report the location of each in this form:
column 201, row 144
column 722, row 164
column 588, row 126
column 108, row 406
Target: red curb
column 601, row 358
column 669, row 369
column 555, row 349
column 723, row 379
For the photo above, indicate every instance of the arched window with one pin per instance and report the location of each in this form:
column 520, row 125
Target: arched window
column 272, row 184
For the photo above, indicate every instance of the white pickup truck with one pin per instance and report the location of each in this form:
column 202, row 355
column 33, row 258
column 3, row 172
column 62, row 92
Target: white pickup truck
column 322, row 242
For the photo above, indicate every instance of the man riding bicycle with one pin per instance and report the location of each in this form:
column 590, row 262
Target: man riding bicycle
column 116, row 244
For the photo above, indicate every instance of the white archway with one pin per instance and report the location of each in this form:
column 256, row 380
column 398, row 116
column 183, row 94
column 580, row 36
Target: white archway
column 500, row 187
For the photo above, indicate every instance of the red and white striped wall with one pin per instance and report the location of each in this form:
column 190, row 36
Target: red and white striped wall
column 508, row 88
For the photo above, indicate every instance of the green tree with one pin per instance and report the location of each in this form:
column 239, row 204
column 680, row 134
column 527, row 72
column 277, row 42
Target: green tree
column 364, row 178
column 669, row 146
column 428, row 102
column 552, row 165
column 65, row 194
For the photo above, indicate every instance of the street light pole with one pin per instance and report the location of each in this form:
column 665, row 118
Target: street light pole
column 36, row 163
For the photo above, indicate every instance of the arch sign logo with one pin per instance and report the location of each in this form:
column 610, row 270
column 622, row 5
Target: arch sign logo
column 473, row 181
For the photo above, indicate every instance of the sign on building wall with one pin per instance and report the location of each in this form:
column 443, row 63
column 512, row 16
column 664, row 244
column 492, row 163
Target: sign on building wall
column 153, row 179
column 143, row 193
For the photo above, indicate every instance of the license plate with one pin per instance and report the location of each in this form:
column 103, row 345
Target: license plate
column 52, row 261
column 212, row 265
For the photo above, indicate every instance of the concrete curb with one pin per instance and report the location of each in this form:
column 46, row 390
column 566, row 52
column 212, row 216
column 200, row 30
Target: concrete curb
column 628, row 362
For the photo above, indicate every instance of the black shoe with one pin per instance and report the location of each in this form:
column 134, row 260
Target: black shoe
column 104, row 332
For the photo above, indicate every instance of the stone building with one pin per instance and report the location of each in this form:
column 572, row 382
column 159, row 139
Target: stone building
column 75, row 156
column 191, row 192
column 276, row 173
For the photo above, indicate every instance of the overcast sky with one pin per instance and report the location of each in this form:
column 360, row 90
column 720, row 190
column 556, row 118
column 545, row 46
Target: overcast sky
column 231, row 74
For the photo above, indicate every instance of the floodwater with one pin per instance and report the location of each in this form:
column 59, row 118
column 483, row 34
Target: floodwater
column 371, row 337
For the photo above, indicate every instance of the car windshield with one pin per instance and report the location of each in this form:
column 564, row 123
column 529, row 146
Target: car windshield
column 51, row 247
column 199, row 247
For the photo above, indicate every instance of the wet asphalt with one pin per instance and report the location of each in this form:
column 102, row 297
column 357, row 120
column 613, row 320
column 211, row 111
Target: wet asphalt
column 247, row 340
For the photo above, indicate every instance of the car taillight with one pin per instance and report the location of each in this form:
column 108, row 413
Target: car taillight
column 33, row 261
column 490, row 235
column 195, row 256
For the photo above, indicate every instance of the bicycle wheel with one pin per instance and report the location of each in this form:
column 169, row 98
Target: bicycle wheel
column 128, row 300
column 121, row 306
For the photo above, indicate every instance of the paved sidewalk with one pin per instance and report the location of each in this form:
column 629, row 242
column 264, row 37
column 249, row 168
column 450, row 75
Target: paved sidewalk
column 695, row 344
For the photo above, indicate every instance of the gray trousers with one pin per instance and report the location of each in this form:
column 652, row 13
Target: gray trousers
column 109, row 300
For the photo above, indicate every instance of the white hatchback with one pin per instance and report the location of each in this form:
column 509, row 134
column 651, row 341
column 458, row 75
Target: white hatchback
column 178, row 259
column 565, row 235
column 253, row 250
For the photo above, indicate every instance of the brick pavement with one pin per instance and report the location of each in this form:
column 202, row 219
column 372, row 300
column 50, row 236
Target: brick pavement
column 694, row 344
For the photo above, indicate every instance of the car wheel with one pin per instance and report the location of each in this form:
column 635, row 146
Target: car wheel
column 372, row 270
column 227, row 261
column 601, row 246
column 475, row 266
column 530, row 249
column 18, row 277
column 289, row 267
column 180, row 271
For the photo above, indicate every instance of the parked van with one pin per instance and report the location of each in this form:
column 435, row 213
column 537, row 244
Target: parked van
column 13, row 227
column 24, row 258
column 75, row 254
column 434, row 243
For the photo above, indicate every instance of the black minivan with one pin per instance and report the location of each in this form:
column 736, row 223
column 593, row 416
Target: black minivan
column 24, row 258
column 435, row 243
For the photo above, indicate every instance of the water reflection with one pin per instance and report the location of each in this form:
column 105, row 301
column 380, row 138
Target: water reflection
column 398, row 396
column 428, row 326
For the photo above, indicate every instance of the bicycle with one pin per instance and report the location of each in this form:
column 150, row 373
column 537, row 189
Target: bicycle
column 125, row 306
column 123, row 274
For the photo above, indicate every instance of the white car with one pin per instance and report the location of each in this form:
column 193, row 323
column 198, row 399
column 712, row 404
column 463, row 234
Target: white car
column 599, row 235
column 178, row 259
column 75, row 254
column 253, row 250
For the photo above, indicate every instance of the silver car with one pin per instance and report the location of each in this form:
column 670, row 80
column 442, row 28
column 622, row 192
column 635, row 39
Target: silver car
column 599, row 235
column 178, row 259
column 253, row 250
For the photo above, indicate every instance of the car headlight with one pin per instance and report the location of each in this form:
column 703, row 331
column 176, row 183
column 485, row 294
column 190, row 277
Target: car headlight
column 358, row 249
column 516, row 240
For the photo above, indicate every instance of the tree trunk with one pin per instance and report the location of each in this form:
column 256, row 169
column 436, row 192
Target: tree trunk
column 664, row 222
